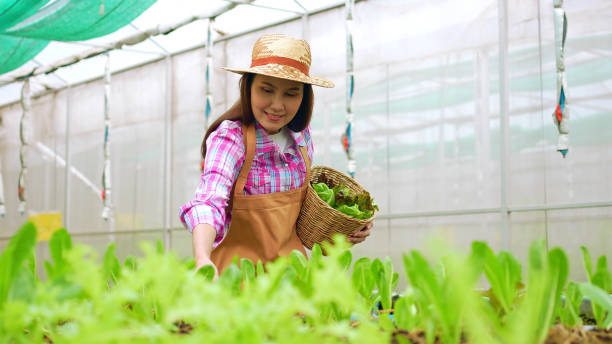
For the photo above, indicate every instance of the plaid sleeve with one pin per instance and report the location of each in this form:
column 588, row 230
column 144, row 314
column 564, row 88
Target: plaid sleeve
column 224, row 158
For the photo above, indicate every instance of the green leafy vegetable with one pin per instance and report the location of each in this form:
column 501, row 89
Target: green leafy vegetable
column 503, row 272
column 12, row 268
column 600, row 278
column 570, row 311
column 600, row 298
column 159, row 298
column 340, row 197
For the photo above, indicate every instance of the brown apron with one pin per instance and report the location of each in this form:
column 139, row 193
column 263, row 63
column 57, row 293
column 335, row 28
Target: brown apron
column 262, row 226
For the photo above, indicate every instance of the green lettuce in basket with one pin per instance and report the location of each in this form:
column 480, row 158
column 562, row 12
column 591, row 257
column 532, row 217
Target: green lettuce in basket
column 340, row 197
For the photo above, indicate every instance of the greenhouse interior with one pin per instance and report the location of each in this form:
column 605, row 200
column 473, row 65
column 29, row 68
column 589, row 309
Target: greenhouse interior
column 475, row 125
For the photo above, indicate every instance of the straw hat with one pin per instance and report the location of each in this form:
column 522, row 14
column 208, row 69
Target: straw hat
column 282, row 57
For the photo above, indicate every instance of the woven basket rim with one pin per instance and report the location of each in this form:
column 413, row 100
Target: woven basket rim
column 328, row 207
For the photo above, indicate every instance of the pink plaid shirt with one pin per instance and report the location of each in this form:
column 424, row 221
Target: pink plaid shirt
column 271, row 171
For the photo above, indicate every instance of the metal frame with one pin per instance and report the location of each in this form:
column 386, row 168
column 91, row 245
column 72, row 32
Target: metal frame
column 507, row 210
column 504, row 210
column 504, row 98
column 398, row 216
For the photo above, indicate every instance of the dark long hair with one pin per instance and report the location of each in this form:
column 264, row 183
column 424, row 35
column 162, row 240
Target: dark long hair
column 242, row 111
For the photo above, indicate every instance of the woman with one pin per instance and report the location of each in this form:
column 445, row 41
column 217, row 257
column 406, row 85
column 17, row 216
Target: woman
column 257, row 161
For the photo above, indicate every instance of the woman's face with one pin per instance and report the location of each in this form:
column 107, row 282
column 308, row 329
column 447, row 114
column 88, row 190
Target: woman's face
column 275, row 101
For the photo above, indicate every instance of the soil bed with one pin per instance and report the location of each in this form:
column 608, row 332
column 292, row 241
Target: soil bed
column 559, row 334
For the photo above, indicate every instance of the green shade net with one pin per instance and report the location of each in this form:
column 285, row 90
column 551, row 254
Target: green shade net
column 14, row 52
column 15, row 11
column 26, row 26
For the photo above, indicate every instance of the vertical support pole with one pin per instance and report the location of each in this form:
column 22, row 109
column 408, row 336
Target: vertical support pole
column 481, row 120
column 209, row 69
column 541, row 72
column 208, row 78
column 350, row 87
column 107, row 211
column 167, row 214
column 504, row 97
column 68, row 162
column 562, row 111
column 24, row 136
column 305, row 30
column 388, row 154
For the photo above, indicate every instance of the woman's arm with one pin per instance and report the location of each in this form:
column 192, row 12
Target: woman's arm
column 203, row 236
column 205, row 215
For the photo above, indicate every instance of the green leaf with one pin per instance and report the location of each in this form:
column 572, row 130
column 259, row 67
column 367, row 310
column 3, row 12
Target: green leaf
column 570, row 312
column 601, row 279
column 131, row 263
column 560, row 272
column 59, row 243
column 363, row 278
column 345, row 259
column 325, row 193
column 316, row 255
column 405, row 313
column 207, row 271
column 260, row 268
column 24, row 285
column 383, row 275
column 350, row 210
column 602, row 299
column 231, row 279
column 586, row 260
column 188, row 262
column 20, row 248
column 248, row 270
column 547, row 274
column 160, row 246
column 111, row 266
column 299, row 263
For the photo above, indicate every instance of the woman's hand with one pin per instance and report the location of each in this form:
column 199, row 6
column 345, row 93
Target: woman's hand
column 203, row 261
column 203, row 237
column 360, row 236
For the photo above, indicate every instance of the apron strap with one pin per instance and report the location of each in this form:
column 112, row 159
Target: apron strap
column 248, row 133
column 304, row 152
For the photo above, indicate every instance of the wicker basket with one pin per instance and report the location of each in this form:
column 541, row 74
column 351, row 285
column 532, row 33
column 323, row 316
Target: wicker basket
column 318, row 221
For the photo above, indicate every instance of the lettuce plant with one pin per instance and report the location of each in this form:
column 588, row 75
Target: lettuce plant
column 600, row 278
column 547, row 275
column 161, row 299
column 341, row 198
column 570, row 311
column 503, row 273
column 433, row 298
column 17, row 266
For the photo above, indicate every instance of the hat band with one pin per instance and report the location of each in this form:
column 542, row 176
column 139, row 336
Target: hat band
column 282, row 61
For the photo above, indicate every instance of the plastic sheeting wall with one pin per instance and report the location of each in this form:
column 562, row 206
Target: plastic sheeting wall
column 426, row 133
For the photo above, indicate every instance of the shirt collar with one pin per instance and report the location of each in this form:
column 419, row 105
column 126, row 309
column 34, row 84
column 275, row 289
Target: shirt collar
column 264, row 143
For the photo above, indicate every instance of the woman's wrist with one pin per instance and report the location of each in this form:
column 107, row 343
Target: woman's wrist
column 203, row 236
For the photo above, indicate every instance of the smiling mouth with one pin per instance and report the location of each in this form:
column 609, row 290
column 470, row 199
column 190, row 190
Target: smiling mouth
column 274, row 118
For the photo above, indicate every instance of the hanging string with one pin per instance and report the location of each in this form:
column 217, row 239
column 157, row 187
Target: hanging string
column 561, row 113
column 106, row 173
column 209, row 71
column 350, row 87
column 24, row 136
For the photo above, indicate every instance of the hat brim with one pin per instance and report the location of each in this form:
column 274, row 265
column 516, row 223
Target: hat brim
column 283, row 72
